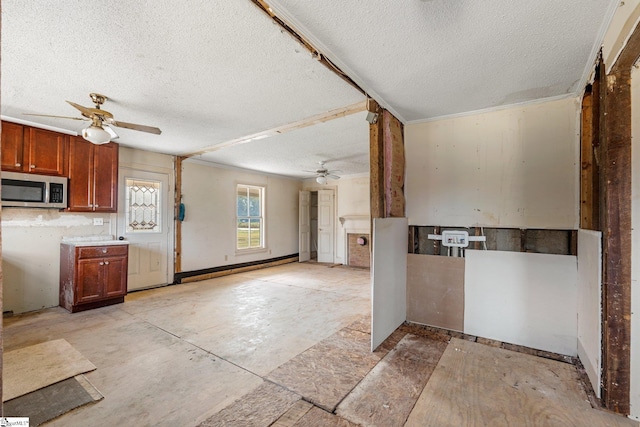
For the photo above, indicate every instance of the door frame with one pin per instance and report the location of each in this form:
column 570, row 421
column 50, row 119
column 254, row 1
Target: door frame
column 315, row 188
column 170, row 195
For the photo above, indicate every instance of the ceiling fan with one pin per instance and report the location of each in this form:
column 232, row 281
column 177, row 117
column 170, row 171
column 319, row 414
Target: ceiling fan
column 322, row 173
column 98, row 132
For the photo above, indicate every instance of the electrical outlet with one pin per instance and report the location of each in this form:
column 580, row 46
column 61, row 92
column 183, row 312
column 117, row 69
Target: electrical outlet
column 98, row 221
column 226, row 257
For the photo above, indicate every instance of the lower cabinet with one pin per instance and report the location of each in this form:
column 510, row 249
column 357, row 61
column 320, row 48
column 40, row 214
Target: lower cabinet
column 92, row 276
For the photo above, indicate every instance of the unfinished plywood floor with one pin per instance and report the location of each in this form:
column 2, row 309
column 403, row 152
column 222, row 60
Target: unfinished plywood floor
column 254, row 349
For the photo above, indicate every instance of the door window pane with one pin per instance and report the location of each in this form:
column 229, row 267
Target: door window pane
column 142, row 206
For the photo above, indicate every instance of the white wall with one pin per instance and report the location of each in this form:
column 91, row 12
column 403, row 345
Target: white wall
column 522, row 298
column 352, row 204
column 510, row 168
column 624, row 20
column 208, row 231
column 589, row 303
column 31, row 253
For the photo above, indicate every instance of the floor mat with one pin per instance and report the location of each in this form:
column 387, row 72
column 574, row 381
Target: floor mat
column 52, row 401
column 34, row 367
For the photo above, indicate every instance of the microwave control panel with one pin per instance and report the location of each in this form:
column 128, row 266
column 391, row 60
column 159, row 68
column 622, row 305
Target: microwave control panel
column 56, row 193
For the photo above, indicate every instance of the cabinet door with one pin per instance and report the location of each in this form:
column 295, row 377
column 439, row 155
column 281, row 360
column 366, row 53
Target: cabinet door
column 115, row 282
column 90, row 280
column 105, row 188
column 11, row 144
column 45, row 151
column 80, row 175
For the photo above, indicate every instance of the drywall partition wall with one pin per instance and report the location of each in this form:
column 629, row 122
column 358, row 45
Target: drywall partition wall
column 510, row 168
column 352, row 196
column 389, row 277
column 31, row 253
column 522, row 298
column 209, row 228
column 435, row 291
column 589, row 304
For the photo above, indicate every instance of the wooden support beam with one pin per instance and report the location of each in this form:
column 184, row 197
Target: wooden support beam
column 309, row 121
column 617, row 241
column 393, row 142
column 376, row 167
column 178, row 223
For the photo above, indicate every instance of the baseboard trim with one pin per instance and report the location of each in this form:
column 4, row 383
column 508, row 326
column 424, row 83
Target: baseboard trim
column 225, row 270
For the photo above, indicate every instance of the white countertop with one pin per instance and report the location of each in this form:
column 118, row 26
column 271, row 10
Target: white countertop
column 98, row 240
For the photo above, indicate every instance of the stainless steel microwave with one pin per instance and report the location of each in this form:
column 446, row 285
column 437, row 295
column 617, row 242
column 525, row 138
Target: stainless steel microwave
column 33, row 191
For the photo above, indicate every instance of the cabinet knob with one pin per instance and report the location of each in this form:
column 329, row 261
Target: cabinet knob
column 32, row 166
column 104, row 250
column 18, row 164
column 101, row 263
column 106, row 263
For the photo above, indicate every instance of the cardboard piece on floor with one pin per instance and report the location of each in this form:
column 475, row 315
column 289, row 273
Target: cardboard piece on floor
column 52, row 401
column 31, row 368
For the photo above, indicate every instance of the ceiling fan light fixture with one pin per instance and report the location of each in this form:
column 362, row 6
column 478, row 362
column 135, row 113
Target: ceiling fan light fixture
column 321, row 180
column 96, row 135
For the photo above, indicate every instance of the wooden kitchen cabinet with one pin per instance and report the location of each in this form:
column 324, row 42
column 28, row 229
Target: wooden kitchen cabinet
column 93, row 176
column 33, row 150
column 12, row 143
column 92, row 276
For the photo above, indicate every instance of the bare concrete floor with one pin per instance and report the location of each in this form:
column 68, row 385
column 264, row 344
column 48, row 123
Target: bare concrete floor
column 176, row 355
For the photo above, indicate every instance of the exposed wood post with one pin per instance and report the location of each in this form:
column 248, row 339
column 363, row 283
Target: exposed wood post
column 616, row 290
column 376, row 164
column 393, row 165
column 178, row 223
column 615, row 163
column 386, row 150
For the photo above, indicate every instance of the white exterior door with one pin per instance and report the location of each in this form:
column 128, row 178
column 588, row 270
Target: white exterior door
column 144, row 221
column 325, row 226
column 304, row 227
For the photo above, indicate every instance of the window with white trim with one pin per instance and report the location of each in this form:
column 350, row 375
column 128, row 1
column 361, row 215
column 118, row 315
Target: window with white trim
column 249, row 217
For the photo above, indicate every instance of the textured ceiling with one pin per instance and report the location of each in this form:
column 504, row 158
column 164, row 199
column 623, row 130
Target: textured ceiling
column 204, row 73
column 433, row 58
column 212, row 72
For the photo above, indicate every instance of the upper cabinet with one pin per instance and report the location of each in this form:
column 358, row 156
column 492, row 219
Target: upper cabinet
column 12, row 144
column 93, row 176
column 32, row 150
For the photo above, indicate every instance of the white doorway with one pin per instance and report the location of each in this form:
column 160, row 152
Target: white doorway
column 317, row 226
column 145, row 222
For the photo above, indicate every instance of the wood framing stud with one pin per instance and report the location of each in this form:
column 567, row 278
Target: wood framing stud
column 178, row 223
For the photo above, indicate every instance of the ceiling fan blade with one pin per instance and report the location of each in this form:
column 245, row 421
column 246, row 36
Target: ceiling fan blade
column 332, row 176
column 142, row 128
column 57, row 117
column 334, row 171
column 111, row 132
column 84, row 110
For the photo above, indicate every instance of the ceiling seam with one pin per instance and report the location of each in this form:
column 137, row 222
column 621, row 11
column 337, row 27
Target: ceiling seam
column 319, row 56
